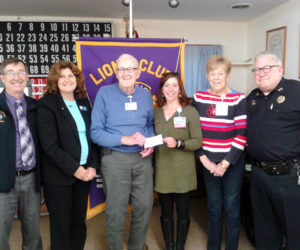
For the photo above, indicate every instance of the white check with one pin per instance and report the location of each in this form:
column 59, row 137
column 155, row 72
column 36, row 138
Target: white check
column 153, row 141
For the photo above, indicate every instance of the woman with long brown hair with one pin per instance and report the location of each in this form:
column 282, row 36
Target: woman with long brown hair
column 175, row 172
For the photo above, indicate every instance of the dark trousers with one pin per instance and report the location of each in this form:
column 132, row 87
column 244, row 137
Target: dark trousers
column 181, row 201
column 67, row 207
column 224, row 193
column 276, row 209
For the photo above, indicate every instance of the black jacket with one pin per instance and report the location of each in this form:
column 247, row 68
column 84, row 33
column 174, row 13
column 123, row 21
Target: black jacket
column 59, row 139
column 8, row 143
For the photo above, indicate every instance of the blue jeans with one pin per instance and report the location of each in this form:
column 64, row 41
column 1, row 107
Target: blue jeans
column 224, row 192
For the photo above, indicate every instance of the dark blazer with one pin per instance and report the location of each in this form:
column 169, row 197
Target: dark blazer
column 8, row 143
column 59, row 139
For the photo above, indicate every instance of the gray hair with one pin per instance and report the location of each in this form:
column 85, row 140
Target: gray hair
column 122, row 56
column 269, row 54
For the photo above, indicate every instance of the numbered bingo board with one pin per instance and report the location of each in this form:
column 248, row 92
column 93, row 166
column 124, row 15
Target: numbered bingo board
column 41, row 44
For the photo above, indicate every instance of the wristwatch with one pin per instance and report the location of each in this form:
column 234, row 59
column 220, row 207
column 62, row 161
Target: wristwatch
column 180, row 144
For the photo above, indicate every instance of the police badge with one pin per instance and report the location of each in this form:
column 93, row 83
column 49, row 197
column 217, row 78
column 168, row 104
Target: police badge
column 280, row 99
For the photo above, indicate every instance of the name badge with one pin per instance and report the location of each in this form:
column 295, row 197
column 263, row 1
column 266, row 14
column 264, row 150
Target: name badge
column 130, row 106
column 180, row 122
column 221, row 109
column 83, row 108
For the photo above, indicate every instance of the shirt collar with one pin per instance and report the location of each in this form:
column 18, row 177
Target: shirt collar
column 12, row 100
column 279, row 89
column 280, row 86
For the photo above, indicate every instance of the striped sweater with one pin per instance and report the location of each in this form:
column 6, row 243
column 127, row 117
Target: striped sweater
column 224, row 135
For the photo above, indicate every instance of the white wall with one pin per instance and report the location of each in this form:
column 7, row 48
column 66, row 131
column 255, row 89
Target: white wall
column 288, row 15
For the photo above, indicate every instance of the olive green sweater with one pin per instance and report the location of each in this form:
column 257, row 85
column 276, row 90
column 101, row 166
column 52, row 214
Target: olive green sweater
column 175, row 170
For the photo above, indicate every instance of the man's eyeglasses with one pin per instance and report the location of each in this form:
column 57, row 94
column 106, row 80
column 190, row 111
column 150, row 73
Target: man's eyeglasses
column 265, row 69
column 129, row 70
column 12, row 73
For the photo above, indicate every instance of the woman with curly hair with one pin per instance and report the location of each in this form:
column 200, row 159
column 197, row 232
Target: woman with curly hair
column 68, row 157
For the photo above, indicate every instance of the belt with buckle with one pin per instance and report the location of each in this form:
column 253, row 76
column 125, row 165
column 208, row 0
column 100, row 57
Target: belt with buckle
column 278, row 167
column 24, row 172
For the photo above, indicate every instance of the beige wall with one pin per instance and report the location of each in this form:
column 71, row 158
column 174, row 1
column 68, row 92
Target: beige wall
column 288, row 15
column 231, row 35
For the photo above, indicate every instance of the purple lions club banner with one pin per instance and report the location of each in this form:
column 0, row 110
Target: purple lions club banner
column 97, row 58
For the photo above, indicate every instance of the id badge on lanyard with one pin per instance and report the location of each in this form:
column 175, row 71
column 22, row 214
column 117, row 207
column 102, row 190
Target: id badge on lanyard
column 222, row 108
column 130, row 105
column 179, row 121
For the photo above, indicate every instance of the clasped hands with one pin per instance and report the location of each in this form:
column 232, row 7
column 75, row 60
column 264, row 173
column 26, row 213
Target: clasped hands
column 85, row 174
column 217, row 170
column 137, row 139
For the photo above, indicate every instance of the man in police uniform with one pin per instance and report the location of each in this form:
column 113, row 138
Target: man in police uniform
column 19, row 161
column 274, row 147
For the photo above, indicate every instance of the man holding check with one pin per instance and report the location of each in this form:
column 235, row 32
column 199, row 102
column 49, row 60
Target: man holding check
column 122, row 119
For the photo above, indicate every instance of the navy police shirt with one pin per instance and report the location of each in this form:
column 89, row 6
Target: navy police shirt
column 274, row 122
